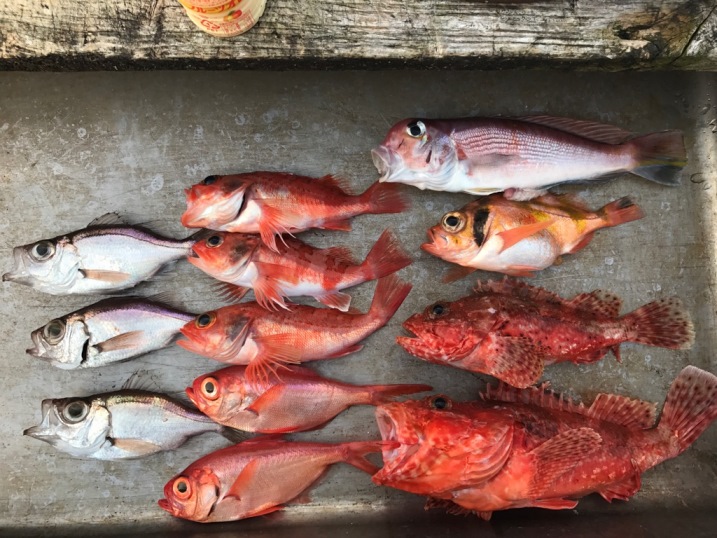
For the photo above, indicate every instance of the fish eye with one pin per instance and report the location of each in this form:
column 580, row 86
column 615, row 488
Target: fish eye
column 215, row 241
column 438, row 309
column 205, row 320
column 75, row 411
column 182, row 489
column 54, row 331
column 416, row 129
column 210, row 180
column 42, row 251
column 453, row 222
column 440, row 403
column 210, row 388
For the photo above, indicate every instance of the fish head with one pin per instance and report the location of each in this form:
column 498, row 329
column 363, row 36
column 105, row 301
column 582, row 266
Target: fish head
column 224, row 255
column 222, row 393
column 215, row 202
column 443, row 332
column 417, row 152
column 192, row 494
column 460, row 235
column 219, row 334
column 77, row 426
column 63, row 342
column 49, row 265
column 441, row 444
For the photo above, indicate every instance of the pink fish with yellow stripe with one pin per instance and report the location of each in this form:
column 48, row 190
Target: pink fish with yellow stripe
column 519, row 238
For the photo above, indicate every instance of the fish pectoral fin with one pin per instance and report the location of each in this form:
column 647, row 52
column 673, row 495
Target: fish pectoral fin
column 129, row 340
column 244, row 480
column 490, row 160
column 267, row 287
column 457, row 272
column 559, row 455
column 340, row 301
column 230, row 292
column 515, row 235
column 552, row 504
column 275, row 351
column 513, row 359
column 264, row 402
column 622, row 490
column 276, row 218
column 136, row 447
column 112, row 277
column 599, row 132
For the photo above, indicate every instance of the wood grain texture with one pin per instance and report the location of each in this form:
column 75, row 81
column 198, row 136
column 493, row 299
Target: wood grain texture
column 137, row 34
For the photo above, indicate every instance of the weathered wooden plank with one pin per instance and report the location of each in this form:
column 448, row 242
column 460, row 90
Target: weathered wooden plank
column 615, row 34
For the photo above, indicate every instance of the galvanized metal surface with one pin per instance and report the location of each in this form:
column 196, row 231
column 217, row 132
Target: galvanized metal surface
column 75, row 146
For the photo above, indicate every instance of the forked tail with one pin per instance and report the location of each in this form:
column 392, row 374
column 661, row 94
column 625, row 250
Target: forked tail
column 620, row 211
column 355, row 453
column 690, row 407
column 388, row 297
column 664, row 323
column 385, row 257
column 385, row 198
column 660, row 157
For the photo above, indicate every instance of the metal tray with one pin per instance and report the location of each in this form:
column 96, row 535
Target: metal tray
column 75, row 146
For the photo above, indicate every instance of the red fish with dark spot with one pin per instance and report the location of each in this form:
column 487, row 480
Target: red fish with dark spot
column 521, row 448
column 273, row 203
column 510, row 330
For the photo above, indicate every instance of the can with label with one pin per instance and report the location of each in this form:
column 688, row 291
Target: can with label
column 224, row 18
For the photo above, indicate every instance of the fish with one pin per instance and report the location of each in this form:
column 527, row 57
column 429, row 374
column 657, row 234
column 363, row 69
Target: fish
column 522, row 156
column 274, row 203
column 248, row 334
column 125, row 424
column 107, row 256
column 519, row 238
column 510, row 330
column 112, row 330
column 244, row 261
column 298, row 401
column 521, row 448
column 257, row 477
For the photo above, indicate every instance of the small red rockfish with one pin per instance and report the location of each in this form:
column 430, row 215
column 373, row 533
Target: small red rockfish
column 519, row 238
column 264, row 340
column 256, row 477
column 525, row 448
column 510, row 330
column 522, row 156
column 244, row 262
column 272, row 203
column 300, row 400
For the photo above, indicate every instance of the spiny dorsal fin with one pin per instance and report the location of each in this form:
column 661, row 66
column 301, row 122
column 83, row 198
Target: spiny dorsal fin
column 634, row 414
column 539, row 396
column 599, row 302
column 599, row 132
column 516, row 288
column 108, row 219
column 336, row 183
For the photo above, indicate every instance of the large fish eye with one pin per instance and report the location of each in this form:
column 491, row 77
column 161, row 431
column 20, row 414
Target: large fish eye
column 53, row 331
column 453, row 222
column 441, row 403
column 205, row 320
column 210, row 388
column 209, row 180
column 438, row 310
column 182, row 489
column 75, row 411
column 214, row 241
column 416, row 129
column 42, row 251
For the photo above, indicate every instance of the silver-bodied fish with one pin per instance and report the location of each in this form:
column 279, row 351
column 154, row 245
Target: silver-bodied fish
column 111, row 330
column 521, row 156
column 106, row 256
column 121, row 425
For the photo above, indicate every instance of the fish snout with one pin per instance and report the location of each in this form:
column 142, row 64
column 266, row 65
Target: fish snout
column 192, row 396
column 165, row 505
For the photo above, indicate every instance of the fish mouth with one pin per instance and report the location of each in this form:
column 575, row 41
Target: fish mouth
column 37, row 432
column 433, row 244
column 387, row 163
column 165, row 505
column 190, row 345
column 403, row 443
column 193, row 254
column 192, row 396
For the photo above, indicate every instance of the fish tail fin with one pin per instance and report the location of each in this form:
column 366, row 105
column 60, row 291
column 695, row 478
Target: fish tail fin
column 620, row 212
column 660, row 157
column 355, row 453
column 388, row 297
column 233, row 435
column 690, row 406
column 385, row 198
column 381, row 394
column 663, row 323
column 385, row 257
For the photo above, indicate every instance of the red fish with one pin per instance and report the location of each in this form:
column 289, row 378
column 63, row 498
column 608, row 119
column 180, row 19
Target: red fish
column 301, row 400
column 524, row 448
column 510, row 330
column 256, row 477
column 248, row 334
column 295, row 268
column 521, row 156
column 272, row 203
